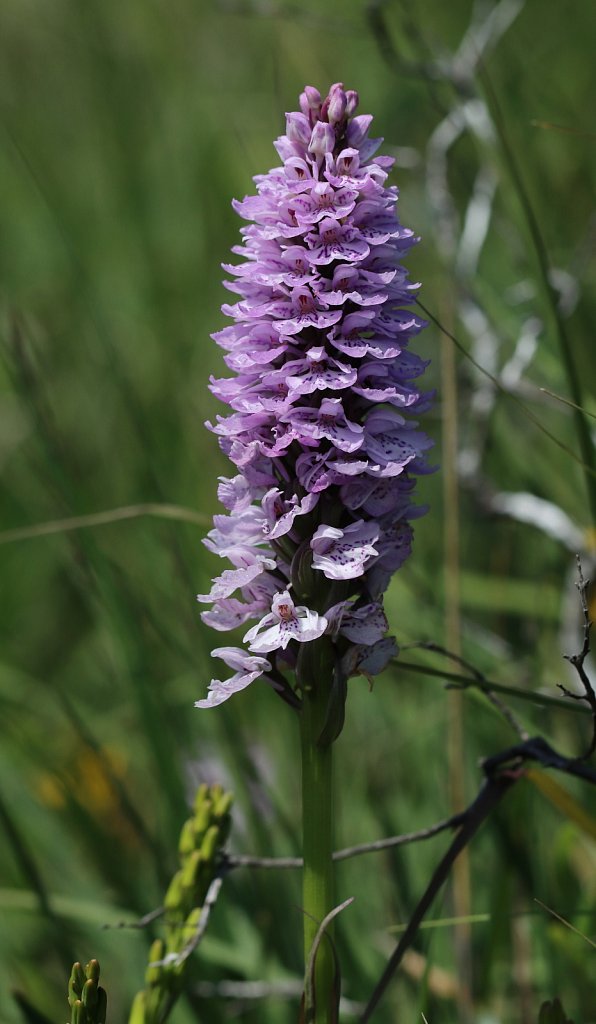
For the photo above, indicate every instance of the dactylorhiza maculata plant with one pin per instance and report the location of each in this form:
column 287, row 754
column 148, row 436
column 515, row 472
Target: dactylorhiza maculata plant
column 326, row 451
column 322, row 397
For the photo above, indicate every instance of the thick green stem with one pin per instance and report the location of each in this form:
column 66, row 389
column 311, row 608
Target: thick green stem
column 317, row 831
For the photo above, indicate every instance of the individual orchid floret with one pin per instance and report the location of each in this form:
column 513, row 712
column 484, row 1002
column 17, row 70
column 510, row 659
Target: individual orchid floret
column 323, row 400
column 343, row 554
column 247, row 668
column 284, row 623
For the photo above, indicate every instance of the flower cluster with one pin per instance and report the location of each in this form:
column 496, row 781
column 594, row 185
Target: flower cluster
column 322, row 395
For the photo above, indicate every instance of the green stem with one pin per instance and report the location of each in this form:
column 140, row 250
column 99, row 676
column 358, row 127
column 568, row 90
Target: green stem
column 317, row 832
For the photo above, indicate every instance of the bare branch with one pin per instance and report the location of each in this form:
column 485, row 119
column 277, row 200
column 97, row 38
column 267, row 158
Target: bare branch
column 501, row 771
column 143, row 921
column 232, row 861
column 577, row 660
column 480, row 681
column 402, row 840
column 456, row 679
column 244, row 991
column 490, row 795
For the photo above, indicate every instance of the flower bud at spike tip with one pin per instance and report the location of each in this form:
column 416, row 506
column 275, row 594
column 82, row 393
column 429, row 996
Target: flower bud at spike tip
column 337, row 106
column 324, row 398
column 310, row 103
column 352, row 100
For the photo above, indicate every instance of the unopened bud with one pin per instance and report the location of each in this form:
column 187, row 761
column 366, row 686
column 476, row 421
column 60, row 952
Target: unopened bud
column 322, row 139
column 337, row 106
column 352, row 101
column 298, row 128
column 312, row 96
column 337, row 103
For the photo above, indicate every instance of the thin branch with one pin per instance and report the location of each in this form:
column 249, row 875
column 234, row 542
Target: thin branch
column 143, row 922
column 245, row 991
column 245, row 860
column 490, row 795
column 539, row 750
column 231, row 861
column 481, row 682
column 577, row 660
column 454, row 678
column 407, row 837
column 501, row 771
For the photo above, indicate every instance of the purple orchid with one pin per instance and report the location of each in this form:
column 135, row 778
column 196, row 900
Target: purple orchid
column 322, row 392
column 285, row 622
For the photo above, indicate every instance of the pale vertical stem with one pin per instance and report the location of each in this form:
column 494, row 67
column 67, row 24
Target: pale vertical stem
column 317, row 833
column 456, row 737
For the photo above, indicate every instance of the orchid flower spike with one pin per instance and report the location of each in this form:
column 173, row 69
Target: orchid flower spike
column 322, row 394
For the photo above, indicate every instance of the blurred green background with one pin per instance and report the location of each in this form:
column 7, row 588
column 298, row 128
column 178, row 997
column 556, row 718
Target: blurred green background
column 126, row 128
